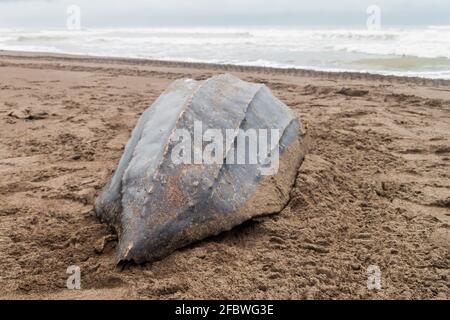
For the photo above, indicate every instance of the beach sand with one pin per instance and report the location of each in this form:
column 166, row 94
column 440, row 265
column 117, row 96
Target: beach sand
column 374, row 190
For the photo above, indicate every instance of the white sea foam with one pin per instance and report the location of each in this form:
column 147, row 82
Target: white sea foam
column 414, row 51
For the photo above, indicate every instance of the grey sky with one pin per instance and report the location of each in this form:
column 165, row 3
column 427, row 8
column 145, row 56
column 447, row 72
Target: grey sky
column 128, row 13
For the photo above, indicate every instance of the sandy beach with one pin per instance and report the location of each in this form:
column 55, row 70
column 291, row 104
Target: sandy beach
column 374, row 190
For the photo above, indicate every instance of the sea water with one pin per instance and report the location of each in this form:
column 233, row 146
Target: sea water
column 404, row 51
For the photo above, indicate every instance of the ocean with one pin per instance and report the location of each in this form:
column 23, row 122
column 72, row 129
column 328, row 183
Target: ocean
column 403, row 51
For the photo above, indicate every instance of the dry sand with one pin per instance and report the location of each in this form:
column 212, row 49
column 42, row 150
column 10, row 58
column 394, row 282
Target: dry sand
column 375, row 189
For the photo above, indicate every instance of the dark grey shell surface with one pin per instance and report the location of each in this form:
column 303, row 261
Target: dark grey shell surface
column 157, row 206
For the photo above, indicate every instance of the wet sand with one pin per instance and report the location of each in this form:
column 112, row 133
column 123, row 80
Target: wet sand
column 374, row 190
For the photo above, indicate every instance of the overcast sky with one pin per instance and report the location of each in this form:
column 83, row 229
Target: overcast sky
column 140, row 13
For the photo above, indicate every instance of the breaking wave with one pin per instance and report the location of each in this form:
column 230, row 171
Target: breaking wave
column 388, row 51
